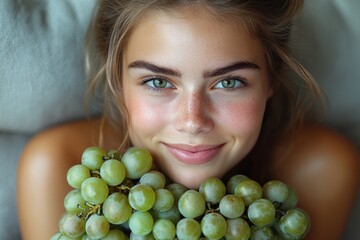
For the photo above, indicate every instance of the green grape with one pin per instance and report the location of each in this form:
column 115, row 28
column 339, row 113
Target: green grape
column 56, row 236
column 164, row 229
column 94, row 190
column 114, row 234
column 74, row 202
column 281, row 235
column 177, row 190
column 249, row 190
column 173, row 214
column 141, row 197
column 134, row 236
column 137, row 162
column 295, row 223
column 154, row 179
column 146, row 208
column 237, row 229
column 116, row 208
column 86, row 237
column 93, row 157
column 64, row 237
column 212, row 189
column 141, row 223
column 113, row 172
column 191, row 204
column 275, row 191
column 164, row 200
column 188, row 229
column 261, row 212
column 261, row 233
column 213, row 226
column 233, row 182
column 77, row 174
column 72, row 225
column 291, row 201
column 97, row 226
column 231, row 206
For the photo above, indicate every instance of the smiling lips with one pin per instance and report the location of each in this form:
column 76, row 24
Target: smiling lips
column 193, row 154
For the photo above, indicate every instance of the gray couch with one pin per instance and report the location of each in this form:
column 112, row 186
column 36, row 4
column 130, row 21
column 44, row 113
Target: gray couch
column 42, row 80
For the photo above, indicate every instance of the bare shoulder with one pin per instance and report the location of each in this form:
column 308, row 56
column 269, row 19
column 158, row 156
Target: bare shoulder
column 41, row 178
column 323, row 167
column 317, row 150
column 67, row 138
column 49, row 154
column 62, row 146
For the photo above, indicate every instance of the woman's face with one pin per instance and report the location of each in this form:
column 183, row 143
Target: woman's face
column 196, row 90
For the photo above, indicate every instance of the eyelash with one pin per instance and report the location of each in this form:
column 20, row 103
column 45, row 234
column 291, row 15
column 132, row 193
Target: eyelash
column 242, row 81
column 144, row 82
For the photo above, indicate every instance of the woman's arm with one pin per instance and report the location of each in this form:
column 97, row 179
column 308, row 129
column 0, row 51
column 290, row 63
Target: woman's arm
column 323, row 167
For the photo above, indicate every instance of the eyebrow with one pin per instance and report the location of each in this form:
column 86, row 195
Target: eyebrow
column 154, row 68
column 207, row 74
column 230, row 68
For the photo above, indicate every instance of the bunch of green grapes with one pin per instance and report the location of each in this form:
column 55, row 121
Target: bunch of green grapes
column 123, row 197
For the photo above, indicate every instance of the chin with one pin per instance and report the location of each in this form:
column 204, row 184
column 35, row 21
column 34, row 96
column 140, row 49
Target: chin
column 190, row 184
column 191, row 180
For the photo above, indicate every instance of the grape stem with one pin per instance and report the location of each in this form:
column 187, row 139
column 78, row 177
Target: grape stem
column 92, row 210
column 95, row 173
column 210, row 208
column 123, row 188
column 279, row 213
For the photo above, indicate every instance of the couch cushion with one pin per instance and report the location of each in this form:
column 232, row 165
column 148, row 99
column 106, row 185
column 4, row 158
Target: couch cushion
column 42, row 78
column 352, row 231
column 326, row 40
column 10, row 148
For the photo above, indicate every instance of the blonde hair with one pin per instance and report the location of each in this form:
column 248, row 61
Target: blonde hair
column 269, row 21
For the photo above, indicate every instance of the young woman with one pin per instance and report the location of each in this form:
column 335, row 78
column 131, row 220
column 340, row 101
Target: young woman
column 203, row 86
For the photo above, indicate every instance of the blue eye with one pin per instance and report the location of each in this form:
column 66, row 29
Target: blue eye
column 158, row 83
column 229, row 83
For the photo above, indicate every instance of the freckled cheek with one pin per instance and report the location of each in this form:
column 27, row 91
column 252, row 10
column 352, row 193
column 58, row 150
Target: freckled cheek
column 244, row 117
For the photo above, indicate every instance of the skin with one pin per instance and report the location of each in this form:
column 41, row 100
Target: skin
column 194, row 115
column 323, row 168
column 193, row 111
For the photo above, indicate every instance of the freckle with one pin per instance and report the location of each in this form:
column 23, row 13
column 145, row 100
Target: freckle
column 204, row 104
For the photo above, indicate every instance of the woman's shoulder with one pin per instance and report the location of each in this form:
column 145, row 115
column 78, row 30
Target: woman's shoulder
column 62, row 141
column 73, row 137
column 67, row 135
column 320, row 158
column 323, row 167
column 317, row 150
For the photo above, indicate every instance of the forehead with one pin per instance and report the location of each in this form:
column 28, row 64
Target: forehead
column 191, row 31
column 194, row 15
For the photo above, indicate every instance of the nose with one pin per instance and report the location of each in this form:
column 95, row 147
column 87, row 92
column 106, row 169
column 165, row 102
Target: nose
column 193, row 114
